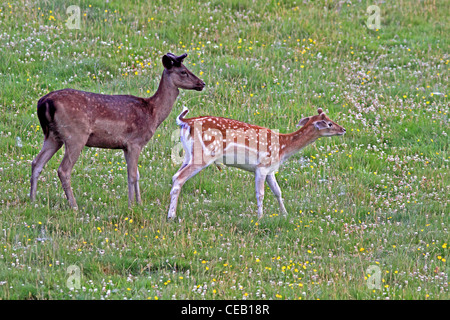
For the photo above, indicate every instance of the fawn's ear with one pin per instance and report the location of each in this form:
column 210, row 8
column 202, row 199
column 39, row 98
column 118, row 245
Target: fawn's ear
column 321, row 124
column 167, row 62
column 302, row 122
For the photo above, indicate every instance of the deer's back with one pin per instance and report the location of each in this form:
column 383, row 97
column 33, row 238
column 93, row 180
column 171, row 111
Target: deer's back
column 109, row 121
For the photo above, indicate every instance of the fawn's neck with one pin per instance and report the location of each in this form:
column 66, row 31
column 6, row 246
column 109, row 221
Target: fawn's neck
column 294, row 142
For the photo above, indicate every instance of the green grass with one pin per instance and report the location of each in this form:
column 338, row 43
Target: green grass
column 378, row 196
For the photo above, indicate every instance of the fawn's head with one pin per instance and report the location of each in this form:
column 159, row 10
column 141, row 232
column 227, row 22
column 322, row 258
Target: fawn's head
column 181, row 76
column 323, row 125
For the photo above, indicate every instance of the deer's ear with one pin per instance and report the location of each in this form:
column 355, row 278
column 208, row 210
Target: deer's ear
column 302, row 122
column 181, row 58
column 320, row 125
column 167, row 62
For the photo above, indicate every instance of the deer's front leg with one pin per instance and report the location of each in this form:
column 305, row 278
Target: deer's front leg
column 259, row 188
column 136, row 188
column 131, row 157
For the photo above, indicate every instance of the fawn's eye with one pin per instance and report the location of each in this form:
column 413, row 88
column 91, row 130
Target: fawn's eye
column 183, row 73
column 330, row 124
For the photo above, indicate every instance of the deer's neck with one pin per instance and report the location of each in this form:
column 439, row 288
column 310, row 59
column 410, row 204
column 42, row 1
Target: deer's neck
column 164, row 99
column 296, row 141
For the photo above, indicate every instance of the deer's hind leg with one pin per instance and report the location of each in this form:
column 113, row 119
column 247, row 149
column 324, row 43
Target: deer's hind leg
column 50, row 147
column 73, row 149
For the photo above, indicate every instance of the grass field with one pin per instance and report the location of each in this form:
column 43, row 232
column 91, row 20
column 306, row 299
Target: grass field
column 368, row 212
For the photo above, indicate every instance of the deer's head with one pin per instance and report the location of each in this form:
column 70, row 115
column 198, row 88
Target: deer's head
column 323, row 125
column 181, row 76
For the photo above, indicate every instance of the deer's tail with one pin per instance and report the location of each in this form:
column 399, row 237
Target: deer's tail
column 45, row 112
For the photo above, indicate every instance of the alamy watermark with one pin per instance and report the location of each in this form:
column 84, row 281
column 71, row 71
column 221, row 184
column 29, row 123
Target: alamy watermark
column 236, row 146
column 374, row 19
column 74, row 19
column 373, row 277
column 74, row 279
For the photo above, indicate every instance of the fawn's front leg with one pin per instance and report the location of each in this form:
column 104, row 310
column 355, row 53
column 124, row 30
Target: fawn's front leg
column 259, row 188
column 273, row 184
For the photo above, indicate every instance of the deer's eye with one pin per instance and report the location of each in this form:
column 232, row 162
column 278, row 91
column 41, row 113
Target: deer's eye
column 330, row 124
column 183, row 73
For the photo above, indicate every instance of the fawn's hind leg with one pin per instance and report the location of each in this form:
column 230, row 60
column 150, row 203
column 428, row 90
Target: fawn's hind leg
column 188, row 171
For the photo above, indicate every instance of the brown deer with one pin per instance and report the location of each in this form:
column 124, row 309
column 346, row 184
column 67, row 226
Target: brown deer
column 77, row 119
column 208, row 140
